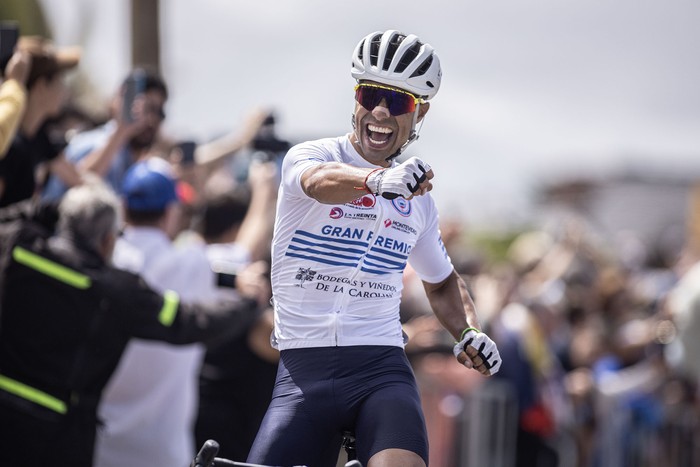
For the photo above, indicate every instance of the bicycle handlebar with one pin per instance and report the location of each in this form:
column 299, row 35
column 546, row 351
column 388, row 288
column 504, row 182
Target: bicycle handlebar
column 206, row 457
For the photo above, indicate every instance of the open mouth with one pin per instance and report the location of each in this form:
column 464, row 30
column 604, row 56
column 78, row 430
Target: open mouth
column 379, row 136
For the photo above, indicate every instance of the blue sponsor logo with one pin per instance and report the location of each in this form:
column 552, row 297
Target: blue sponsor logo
column 402, row 206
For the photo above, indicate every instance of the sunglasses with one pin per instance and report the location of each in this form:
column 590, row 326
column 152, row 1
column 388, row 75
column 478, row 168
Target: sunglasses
column 398, row 101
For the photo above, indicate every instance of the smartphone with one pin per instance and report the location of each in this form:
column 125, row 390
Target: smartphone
column 225, row 273
column 226, row 280
column 9, row 34
column 187, row 149
column 135, row 84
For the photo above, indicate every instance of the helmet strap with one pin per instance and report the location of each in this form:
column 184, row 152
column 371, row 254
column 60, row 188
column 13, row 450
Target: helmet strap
column 412, row 136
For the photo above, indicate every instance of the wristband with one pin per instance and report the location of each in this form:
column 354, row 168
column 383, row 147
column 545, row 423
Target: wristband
column 461, row 336
column 364, row 185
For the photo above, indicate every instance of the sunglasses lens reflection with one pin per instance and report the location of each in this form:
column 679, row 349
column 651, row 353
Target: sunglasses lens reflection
column 398, row 102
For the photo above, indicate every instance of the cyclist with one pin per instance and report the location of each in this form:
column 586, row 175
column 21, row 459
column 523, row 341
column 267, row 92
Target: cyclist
column 349, row 217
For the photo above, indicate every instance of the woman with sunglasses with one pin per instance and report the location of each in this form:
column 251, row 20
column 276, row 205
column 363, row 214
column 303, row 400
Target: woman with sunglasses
column 349, row 218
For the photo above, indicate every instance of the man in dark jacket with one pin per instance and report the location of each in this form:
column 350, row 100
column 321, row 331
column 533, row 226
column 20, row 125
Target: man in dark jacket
column 66, row 316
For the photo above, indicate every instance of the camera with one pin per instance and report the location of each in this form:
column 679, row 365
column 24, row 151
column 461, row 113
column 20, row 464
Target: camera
column 187, row 150
column 267, row 141
column 224, row 279
column 225, row 273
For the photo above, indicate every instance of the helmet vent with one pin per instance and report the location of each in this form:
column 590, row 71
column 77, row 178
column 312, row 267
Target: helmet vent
column 409, row 56
column 391, row 50
column 430, row 85
column 374, row 50
column 361, row 49
column 421, row 70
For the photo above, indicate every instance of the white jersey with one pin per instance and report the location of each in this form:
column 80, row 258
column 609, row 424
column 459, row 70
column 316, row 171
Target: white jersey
column 149, row 405
column 337, row 269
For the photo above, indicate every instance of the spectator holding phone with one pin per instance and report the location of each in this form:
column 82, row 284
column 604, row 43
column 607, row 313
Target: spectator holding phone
column 13, row 97
column 109, row 150
column 32, row 145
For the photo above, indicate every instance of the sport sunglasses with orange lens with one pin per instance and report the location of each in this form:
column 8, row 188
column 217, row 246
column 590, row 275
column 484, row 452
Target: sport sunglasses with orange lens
column 398, row 101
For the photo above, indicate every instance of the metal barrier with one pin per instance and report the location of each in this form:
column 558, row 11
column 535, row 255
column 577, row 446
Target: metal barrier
column 629, row 439
column 636, row 430
column 478, row 429
column 489, row 426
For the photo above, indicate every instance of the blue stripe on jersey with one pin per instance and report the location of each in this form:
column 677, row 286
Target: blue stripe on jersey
column 388, row 252
column 331, row 239
column 384, row 266
column 387, row 261
column 334, row 247
column 326, row 253
column 374, row 271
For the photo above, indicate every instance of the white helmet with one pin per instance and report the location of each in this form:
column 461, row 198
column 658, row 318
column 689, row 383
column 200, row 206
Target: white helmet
column 398, row 60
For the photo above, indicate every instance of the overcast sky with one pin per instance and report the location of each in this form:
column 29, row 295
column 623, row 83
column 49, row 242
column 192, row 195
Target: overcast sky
column 531, row 90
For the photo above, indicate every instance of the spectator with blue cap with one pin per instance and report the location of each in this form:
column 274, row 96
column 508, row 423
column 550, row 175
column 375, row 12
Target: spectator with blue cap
column 150, row 193
column 150, row 186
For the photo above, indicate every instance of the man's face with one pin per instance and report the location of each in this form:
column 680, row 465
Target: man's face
column 154, row 102
column 378, row 134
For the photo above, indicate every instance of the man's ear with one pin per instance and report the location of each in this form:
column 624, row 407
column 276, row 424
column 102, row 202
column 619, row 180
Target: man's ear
column 422, row 110
column 107, row 246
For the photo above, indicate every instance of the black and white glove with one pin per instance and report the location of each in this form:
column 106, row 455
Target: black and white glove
column 477, row 350
column 402, row 180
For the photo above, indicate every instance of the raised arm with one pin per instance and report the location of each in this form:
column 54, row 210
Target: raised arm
column 255, row 233
column 334, row 182
column 207, row 156
column 338, row 183
column 100, row 159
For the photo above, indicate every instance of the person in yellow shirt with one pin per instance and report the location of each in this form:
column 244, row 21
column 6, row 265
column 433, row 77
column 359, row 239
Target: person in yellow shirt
column 32, row 145
column 13, row 97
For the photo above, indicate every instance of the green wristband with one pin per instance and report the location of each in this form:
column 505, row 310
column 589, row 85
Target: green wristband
column 461, row 336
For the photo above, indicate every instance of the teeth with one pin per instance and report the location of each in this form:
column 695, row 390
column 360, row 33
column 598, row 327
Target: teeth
column 376, row 142
column 379, row 129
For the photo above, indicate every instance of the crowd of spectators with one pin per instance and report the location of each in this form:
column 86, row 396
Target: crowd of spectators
column 191, row 231
column 598, row 351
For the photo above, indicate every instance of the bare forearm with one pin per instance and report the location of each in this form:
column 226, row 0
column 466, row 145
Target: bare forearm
column 100, row 160
column 335, row 183
column 452, row 305
column 256, row 229
column 210, row 154
column 66, row 171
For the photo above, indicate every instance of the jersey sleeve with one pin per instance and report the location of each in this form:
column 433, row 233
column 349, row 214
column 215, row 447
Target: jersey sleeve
column 147, row 314
column 429, row 257
column 298, row 160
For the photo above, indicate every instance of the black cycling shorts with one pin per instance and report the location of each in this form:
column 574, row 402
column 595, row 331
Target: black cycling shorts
column 322, row 391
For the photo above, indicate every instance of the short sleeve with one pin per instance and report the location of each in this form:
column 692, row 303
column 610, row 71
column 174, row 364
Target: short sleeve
column 429, row 257
column 298, row 160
